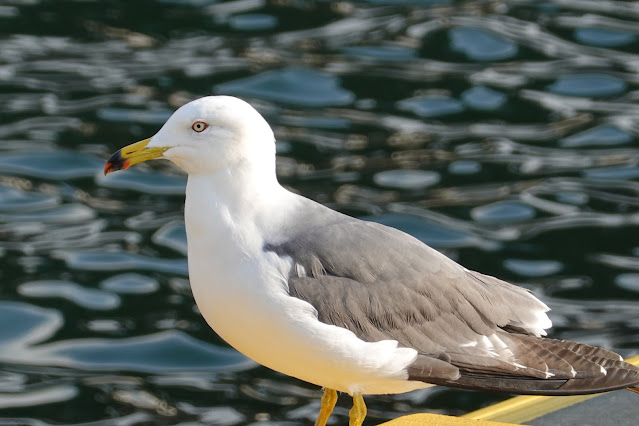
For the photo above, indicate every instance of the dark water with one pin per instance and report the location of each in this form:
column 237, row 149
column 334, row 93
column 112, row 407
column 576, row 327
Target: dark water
column 503, row 133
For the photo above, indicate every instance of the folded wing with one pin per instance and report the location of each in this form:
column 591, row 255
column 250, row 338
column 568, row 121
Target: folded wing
column 471, row 330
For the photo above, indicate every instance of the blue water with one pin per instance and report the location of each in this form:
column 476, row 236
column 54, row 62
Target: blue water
column 504, row 135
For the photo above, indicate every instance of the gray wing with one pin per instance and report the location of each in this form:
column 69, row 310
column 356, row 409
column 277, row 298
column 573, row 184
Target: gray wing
column 381, row 283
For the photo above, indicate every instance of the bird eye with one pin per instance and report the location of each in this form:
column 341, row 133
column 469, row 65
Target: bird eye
column 199, row 126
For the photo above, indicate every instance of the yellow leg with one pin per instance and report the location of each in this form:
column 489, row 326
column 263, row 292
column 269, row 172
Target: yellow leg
column 358, row 412
column 328, row 403
column 634, row 389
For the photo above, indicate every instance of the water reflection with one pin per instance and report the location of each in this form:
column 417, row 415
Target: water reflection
column 294, row 86
column 59, row 164
column 146, row 182
column 102, row 260
column 163, row 352
column 130, row 283
column 503, row 134
column 73, row 292
column 480, row 45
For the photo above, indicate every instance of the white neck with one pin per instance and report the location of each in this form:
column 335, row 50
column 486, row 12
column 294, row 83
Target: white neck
column 239, row 209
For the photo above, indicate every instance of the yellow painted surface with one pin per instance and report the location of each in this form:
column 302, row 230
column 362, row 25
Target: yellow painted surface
column 521, row 409
column 439, row 420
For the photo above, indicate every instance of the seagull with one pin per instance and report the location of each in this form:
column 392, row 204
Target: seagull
column 345, row 304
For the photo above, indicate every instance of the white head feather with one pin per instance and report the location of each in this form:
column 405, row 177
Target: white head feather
column 235, row 133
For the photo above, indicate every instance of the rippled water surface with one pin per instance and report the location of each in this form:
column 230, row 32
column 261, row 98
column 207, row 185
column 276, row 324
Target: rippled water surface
column 504, row 133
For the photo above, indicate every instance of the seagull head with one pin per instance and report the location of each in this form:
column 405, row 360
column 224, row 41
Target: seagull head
column 205, row 136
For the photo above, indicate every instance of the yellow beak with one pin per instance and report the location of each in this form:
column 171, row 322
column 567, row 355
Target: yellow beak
column 132, row 154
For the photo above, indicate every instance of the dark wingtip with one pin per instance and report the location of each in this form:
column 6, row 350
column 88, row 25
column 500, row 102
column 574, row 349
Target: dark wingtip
column 115, row 163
